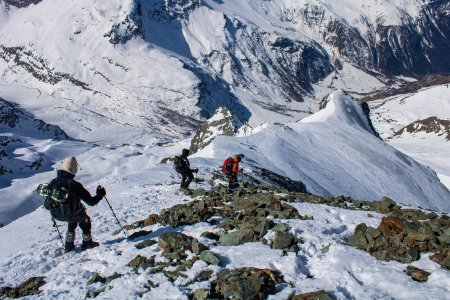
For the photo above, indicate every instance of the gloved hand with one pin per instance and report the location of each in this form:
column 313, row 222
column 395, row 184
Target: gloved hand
column 241, row 170
column 101, row 191
column 195, row 170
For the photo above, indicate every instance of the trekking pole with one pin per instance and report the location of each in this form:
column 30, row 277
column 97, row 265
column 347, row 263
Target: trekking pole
column 57, row 230
column 116, row 217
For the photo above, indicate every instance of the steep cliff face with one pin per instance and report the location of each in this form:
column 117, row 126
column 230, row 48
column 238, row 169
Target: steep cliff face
column 412, row 46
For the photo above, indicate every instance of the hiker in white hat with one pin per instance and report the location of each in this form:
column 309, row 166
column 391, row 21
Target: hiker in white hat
column 65, row 204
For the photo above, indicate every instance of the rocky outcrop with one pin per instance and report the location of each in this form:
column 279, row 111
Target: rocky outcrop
column 428, row 125
column 412, row 47
column 404, row 234
column 258, row 213
column 409, row 87
column 28, row 287
column 38, row 67
column 130, row 26
column 221, row 123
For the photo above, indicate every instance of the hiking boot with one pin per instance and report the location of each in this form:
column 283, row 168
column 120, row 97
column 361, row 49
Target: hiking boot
column 68, row 247
column 88, row 245
column 186, row 191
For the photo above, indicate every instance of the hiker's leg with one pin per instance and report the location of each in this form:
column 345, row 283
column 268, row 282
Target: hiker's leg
column 183, row 180
column 87, row 237
column 69, row 244
column 86, row 226
column 233, row 182
column 189, row 176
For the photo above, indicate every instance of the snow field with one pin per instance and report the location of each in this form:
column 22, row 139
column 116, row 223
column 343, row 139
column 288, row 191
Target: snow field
column 392, row 114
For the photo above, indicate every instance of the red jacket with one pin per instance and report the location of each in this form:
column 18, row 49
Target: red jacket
column 235, row 168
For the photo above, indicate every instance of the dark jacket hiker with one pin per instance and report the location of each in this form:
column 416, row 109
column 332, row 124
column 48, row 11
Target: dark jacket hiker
column 182, row 166
column 68, row 207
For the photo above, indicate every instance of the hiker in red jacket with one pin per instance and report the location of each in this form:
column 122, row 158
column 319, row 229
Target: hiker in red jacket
column 231, row 169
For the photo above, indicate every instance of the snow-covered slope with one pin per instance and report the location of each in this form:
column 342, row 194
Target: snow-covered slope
column 335, row 152
column 28, row 146
column 418, row 125
column 126, row 67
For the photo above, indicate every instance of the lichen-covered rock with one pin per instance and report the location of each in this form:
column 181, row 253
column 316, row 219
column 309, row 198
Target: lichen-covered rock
column 245, row 283
column 98, row 278
column 139, row 234
column 200, row 294
column 176, row 244
column 174, row 240
column 391, row 226
column 141, row 262
column 145, row 244
column 151, row 220
column 209, row 257
column 28, row 287
column 442, row 258
column 319, row 295
column 403, row 239
column 237, row 237
column 385, row 205
column 417, row 274
column 283, row 240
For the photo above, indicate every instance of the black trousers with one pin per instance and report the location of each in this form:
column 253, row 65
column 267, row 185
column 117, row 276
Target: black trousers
column 232, row 180
column 85, row 225
column 186, row 179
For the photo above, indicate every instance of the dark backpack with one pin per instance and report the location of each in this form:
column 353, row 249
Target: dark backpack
column 227, row 166
column 61, row 203
column 179, row 165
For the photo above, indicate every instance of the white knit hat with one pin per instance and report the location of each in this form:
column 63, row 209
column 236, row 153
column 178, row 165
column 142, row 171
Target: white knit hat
column 70, row 165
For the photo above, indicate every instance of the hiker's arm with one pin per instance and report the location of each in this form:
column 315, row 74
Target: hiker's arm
column 235, row 168
column 86, row 196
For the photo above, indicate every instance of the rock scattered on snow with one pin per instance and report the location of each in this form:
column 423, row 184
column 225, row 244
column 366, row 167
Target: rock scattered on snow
column 417, row 274
column 28, row 287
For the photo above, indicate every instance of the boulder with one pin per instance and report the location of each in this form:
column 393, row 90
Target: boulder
column 174, row 240
column 151, row 220
column 417, row 274
column 358, row 239
column 318, row 295
column 210, row 235
column 98, row 278
column 209, row 257
column 201, row 294
column 145, row 244
column 385, row 205
column 28, row 287
column 391, row 226
column 283, row 240
column 442, row 258
column 139, row 234
column 245, row 283
column 141, row 262
column 237, row 237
